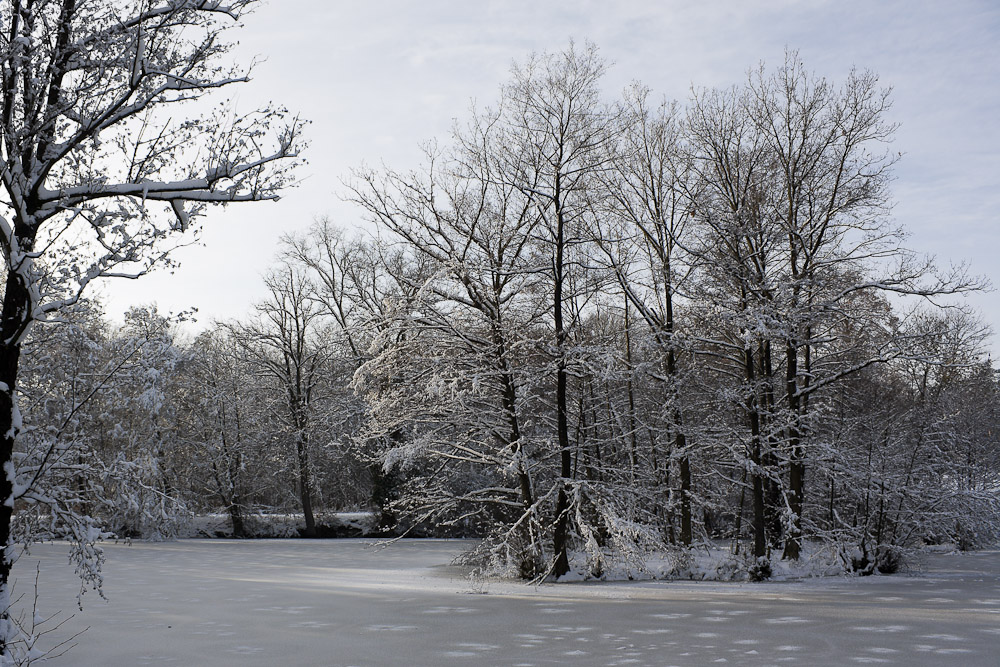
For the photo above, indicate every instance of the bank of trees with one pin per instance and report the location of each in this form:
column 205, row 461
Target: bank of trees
column 588, row 330
column 641, row 324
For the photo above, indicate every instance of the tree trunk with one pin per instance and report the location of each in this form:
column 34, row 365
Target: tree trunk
column 774, row 502
column 305, row 484
column 384, row 492
column 560, row 537
column 8, row 375
column 686, row 532
column 236, row 517
column 13, row 320
column 236, row 504
column 680, row 440
column 759, row 536
column 796, row 462
column 509, row 401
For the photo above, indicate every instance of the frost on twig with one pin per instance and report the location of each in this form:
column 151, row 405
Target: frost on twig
column 30, row 632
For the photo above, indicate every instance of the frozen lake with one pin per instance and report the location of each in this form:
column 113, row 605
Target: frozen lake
column 339, row 602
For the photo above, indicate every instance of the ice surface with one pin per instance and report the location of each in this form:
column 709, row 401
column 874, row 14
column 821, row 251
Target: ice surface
column 341, row 602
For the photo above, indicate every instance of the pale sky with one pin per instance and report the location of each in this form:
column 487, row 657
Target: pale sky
column 377, row 78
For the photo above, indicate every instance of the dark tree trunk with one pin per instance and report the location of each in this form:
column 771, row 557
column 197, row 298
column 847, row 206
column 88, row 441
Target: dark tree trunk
column 509, row 401
column 560, row 537
column 753, row 413
column 236, row 517
column 796, row 460
column 529, row 564
column 14, row 319
column 774, row 503
column 236, row 504
column 229, row 497
column 305, row 484
column 686, row 531
column 680, row 440
column 384, row 493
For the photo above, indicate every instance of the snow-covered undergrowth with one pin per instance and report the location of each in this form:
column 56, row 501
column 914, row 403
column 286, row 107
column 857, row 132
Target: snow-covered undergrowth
column 719, row 560
column 279, row 525
column 712, row 562
column 252, row 603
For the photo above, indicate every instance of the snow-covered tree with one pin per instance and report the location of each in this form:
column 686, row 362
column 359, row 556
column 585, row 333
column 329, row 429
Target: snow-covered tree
column 791, row 202
column 453, row 358
column 224, row 432
column 94, row 447
column 657, row 313
column 360, row 286
column 105, row 161
column 641, row 226
column 285, row 343
column 134, row 418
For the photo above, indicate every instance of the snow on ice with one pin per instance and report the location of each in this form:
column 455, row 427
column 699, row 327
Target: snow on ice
column 344, row 602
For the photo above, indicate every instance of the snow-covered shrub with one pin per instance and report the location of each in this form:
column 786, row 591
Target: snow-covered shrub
column 135, row 502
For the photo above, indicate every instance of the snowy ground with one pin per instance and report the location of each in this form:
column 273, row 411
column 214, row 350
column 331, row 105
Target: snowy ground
column 339, row 602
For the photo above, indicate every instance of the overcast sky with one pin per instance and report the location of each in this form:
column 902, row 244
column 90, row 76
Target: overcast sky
column 377, row 78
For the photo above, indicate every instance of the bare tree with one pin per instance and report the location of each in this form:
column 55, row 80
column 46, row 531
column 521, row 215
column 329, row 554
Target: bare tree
column 221, row 425
column 360, row 286
column 641, row 229
column 475, row 232
column 556, row 133
column 347, row 281
column 286, row 342
column 736, row 250
column 792, row 205
column 512, row 302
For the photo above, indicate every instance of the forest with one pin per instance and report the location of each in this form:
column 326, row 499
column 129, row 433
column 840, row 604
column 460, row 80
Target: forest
column 587, row 331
